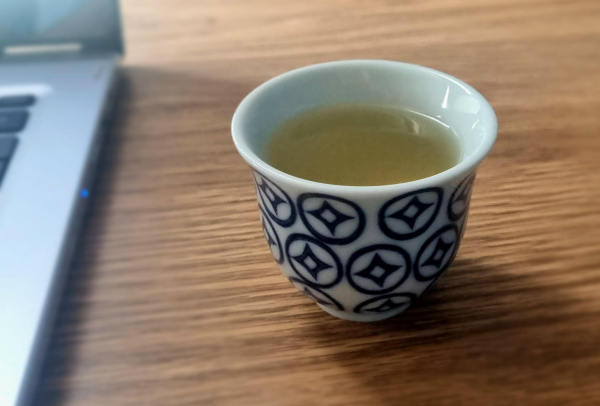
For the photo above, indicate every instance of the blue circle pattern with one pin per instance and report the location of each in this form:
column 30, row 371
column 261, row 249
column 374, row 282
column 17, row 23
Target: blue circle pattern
column 271, row 236
column 269, row 191
column 367, row 281
column 316, row 294
column 410, row 213
column 314, row 264
column 336, row 218
column 436, row 253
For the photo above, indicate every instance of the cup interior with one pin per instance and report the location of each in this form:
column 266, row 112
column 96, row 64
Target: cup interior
column 377, row 83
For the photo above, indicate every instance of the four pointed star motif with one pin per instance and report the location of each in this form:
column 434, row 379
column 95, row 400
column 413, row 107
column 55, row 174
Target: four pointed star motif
column 270, row 239
column 387, row 305
column 311, row 262
column 439, row 253
column 464, row 193
column 378, row 270
column 272, row 197
column 314, row 297
column 411, row 211
column 329, row 216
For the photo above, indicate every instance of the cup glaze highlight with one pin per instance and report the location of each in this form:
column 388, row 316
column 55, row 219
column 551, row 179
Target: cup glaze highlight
column 364, row 253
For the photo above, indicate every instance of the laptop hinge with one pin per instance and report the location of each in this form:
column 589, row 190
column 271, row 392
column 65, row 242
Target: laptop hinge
column 42, row 52
column 42, row 49
column 48, row 52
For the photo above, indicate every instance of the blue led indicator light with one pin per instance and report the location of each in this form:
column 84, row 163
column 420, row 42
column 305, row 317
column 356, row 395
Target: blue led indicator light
column 84, row 193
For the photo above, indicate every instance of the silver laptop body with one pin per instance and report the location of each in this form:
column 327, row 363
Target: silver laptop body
column 57, row 72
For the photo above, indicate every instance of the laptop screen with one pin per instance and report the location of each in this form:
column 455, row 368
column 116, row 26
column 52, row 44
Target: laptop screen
column 93, row 24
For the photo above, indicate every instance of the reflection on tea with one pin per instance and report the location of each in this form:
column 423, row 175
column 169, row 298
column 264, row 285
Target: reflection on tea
column 360, row 145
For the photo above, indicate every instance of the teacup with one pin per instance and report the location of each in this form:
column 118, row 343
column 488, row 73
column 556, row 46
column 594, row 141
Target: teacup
column 364, row 253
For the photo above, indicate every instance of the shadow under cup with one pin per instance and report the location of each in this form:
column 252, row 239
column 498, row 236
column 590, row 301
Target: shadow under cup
column 364, row 253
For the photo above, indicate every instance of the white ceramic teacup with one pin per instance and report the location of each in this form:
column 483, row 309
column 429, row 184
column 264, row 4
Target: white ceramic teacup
column 364, row 253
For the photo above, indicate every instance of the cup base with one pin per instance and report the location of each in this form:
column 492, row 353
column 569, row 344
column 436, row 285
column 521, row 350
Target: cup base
column 364, row 318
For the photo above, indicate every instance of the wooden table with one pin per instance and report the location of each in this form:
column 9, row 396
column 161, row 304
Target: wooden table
column 175, row 300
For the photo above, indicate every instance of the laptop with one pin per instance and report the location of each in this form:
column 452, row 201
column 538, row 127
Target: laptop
column 58, row 62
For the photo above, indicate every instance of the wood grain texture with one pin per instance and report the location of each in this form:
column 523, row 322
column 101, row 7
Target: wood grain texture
column 174, row 298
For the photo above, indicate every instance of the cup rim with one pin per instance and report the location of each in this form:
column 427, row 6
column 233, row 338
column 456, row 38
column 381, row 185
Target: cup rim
column 455, row 171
